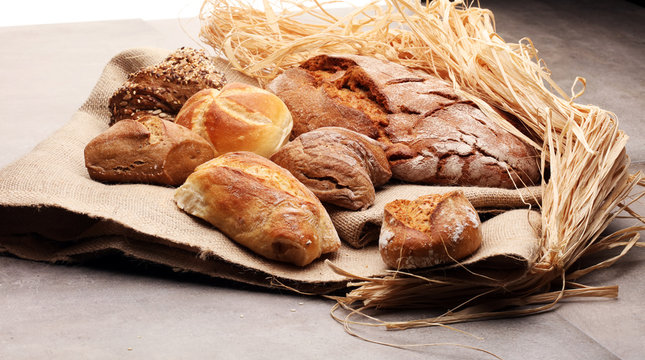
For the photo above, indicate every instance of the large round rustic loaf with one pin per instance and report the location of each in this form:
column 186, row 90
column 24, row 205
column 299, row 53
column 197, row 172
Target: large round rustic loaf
column 261, row 206
column 339, row 166
column 430, row 230
column 432, row 135
column 148, row 150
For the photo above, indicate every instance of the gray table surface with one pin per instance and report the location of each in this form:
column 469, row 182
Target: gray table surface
column 122, row 309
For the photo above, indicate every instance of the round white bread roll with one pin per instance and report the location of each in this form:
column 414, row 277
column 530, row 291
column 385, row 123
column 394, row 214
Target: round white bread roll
column 431, row 230
column 239, row 117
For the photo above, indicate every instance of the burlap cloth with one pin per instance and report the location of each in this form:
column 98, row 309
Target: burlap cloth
column 50, row 210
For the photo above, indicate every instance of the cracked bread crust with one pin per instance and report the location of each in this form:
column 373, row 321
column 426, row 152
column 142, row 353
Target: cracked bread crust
column 339, row 166
column 162, row 89
column 432, row 136
column 430, row 230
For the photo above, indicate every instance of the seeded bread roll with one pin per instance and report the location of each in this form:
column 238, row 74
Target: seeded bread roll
column 432, row 135
column 431, row 230
column 261, row 206
column 240, row 117
column 162, row 89
column 150, row 150
column 339, row 166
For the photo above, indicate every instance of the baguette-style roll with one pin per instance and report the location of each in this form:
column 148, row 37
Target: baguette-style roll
column 240, row 117
column 431, row 230
column 149, row 150
column 340, row 166
column 261, row 206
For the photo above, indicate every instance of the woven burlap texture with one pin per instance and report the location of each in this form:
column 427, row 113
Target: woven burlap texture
column 50, row 210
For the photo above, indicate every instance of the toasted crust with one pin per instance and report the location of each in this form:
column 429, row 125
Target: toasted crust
column 261, row 206
column 240, row 117
column 150, row 150
column 432, row 135
column 428, row 231
column 339, row 166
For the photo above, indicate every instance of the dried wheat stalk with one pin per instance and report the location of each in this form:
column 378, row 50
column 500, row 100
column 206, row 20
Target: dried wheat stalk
column 459, row 43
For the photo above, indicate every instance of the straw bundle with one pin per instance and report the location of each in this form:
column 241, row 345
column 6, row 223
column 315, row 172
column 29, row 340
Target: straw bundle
column 458, row 43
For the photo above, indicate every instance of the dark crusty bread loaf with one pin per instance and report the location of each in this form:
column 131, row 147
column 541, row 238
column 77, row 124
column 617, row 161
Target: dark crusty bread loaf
column 162, row 89
column 431, row 230
column 148, row 150
column 339, row 166
column 432, row 135
column 261, row 206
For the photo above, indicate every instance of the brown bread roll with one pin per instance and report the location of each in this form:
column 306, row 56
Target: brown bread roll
column 261, row 206
column 432, row 135
column 240, row 117
column 431, row 230
column 162, row 89
column 339, row 166
column 150, row 150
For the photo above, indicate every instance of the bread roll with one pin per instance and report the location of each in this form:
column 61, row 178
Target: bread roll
column 162, row 89
column 261, row 206
column 339, row 166
column 433, row 136
column 431, row 230
column 150, row 150
column 241, row 117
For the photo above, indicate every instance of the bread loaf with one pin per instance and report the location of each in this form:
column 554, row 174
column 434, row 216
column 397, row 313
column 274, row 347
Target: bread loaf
column 428, row 231
column 150, row 150
column 240, row 117
column 162, row 89
column 339, row 166
column 432, row 135
column 261, row 206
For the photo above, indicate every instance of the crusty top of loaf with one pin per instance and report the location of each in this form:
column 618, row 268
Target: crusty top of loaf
column 433, row 135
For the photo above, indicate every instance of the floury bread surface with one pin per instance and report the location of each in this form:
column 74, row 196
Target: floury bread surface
column 431, row 230
column 339, row 166
column 149, row 150
column 240, row 117
column 261, row 206
column 432, row 135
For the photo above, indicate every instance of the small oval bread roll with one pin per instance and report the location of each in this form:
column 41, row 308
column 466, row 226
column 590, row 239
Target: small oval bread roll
column 339, row 166
column 261, row 206
column 148, row 150
column 240, row 117
column 431, row 230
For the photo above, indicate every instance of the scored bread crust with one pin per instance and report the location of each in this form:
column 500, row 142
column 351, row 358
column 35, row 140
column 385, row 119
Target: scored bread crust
column 148, row 150
column 240, row 117
column 431, row 230
column 339, row 166
column 261, row 206
column 162, row 89
column 432, row 135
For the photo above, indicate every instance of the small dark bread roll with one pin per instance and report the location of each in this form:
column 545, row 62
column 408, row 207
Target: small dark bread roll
column 149, row 150
column 431, row 230
column 339, row 166
column 162, row 89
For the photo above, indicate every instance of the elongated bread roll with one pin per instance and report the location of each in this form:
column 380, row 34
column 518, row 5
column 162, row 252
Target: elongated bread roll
column 240, row 117
column 149, row 150
column 431, row 230
column 261, row 206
